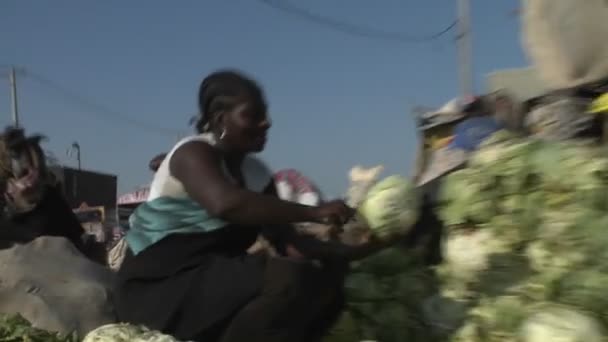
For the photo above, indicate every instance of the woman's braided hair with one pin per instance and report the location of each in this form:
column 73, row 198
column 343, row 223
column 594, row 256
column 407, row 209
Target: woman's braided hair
column 221, row 91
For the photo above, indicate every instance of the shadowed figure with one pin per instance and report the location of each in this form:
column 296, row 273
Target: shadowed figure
column 31, row 205
column 156, row 161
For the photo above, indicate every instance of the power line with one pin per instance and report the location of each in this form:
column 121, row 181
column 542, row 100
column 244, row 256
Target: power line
column 97, row 109
column 353, row 29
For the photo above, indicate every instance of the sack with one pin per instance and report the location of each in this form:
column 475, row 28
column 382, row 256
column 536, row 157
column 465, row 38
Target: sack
column 55, row 287
column 566, row 40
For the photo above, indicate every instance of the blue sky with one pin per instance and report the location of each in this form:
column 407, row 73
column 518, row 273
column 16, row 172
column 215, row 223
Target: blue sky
column 336, row 100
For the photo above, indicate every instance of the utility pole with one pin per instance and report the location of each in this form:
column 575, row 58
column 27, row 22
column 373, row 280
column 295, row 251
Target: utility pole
column 14, row 103
column 75, row 149
column 465, row 68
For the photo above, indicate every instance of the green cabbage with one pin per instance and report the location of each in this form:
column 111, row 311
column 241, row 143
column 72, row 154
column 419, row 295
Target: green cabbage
column 467, row 253
column 585, row 290
column 556, row 323
column 384, row 296
column 499, row 318
column 444, row 315
column 15, row 328
column 390, row 207
column 526, row 233
column 346, row 330
column 469, row 197
column 126, row 333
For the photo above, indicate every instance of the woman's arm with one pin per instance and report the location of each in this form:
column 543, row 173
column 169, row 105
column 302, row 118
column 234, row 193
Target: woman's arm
column 311, row 247
column 197, row 166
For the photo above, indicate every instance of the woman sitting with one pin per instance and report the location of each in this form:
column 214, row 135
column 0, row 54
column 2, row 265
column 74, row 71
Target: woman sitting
column 188, row 272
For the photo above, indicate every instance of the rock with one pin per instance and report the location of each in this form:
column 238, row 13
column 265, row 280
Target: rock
column 55, row 287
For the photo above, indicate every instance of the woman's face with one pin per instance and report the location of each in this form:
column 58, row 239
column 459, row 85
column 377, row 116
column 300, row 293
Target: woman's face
column 246, row 126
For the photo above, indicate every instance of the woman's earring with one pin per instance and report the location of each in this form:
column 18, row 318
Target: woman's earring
column 223, row 134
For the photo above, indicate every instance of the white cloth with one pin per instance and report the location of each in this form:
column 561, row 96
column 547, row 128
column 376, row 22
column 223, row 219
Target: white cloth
column 256, row 173
column 440, row 162
column 566, row 40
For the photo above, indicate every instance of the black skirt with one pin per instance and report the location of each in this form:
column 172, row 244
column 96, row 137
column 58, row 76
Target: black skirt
column 192, row 286
column 189, row 283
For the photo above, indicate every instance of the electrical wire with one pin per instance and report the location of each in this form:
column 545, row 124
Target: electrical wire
column 352, row 29
column 99, row 110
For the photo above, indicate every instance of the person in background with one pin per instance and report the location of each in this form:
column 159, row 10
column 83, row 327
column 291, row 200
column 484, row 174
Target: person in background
column 448, row 142
column 469, row 134
column 32, row 203
column 188, row 272
column 507, row 111
column 156, row 161
column 293, row 186
column 436, row 158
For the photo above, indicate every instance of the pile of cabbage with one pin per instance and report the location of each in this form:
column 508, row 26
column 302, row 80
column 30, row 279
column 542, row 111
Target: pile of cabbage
column 384, row 292
column 383, row 299
column 525, row 249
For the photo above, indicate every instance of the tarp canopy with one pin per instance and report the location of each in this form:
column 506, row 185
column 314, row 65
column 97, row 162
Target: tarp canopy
column 138, row 196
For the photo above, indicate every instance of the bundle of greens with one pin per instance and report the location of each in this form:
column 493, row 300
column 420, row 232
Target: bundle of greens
column 525, row 255
column 15, row 328
column 384, row 295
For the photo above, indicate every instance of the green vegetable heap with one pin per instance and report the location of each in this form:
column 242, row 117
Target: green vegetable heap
column 15, row 328
column 525, row 252
column 384, row 291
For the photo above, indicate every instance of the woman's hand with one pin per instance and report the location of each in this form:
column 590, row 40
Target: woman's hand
column 333, row 213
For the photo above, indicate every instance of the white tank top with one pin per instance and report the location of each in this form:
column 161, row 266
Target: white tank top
column 169, row 210
column 256, row 173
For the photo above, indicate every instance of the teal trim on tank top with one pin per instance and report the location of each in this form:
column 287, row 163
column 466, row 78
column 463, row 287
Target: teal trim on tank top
column 163, row 216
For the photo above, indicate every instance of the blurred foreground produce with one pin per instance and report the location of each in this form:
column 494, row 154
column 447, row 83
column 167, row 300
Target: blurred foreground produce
column 126, row 333
column 384, row 295
column 525, row 255
column 384, row 292
column 15, row 328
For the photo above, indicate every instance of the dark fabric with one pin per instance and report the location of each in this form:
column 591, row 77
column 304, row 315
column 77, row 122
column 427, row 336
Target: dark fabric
column 298, row 302
column 52, row 216
column 327, row 251
column 428, row 230
column 201, row 286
